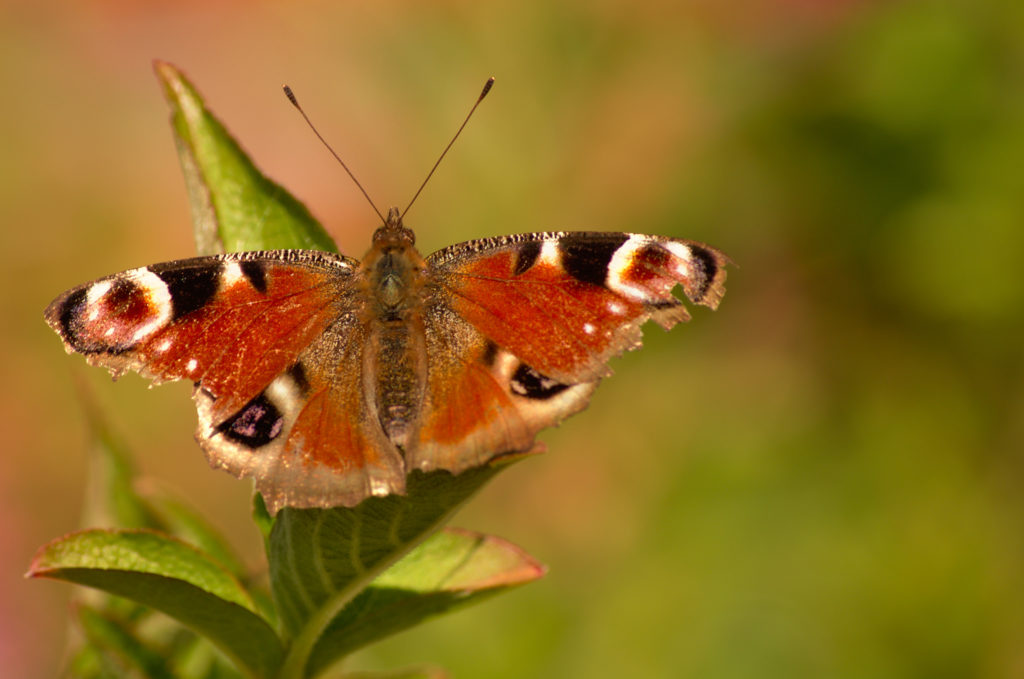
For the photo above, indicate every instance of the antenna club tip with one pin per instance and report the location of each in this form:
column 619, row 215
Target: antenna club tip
column 291, row 95
column 487, row 87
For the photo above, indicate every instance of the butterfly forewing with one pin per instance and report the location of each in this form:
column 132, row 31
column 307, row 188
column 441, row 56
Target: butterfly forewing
column 564, row 303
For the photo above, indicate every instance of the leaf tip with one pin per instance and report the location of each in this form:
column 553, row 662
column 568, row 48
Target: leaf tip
column 180, row 93
column 167, row 72
column 41, row 564
column 500, row 563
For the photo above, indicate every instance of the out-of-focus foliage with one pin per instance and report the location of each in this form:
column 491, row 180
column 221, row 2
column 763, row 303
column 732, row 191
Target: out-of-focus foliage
column 823, row 478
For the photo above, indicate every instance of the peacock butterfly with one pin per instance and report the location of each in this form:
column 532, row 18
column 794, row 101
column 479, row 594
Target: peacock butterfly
column 327, row 379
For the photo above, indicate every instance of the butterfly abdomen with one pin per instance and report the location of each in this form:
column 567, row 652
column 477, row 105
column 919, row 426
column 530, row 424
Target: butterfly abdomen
column 399, row 377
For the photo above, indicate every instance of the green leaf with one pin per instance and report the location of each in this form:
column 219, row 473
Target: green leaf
column 185, row 523
column 114, row 497
column 117, row 498
column 199, row 660
column 87, row 662
column 234, row 206
column 119, row 650
column 262, row 518
column 451, row 568
column 317, row 553
column 461, row 561
column 320, row 559
column 166, row 574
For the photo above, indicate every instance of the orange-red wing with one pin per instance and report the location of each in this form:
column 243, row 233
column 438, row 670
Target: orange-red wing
column 564, row 303
column 230, row 323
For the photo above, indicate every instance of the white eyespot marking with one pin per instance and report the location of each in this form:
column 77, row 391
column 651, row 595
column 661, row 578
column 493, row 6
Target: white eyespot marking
column 110, row 331
column 232, row 274
column 619, row 265
column 549, row 253
column 191, row 365
column 682, row 255
column 282, row 389
column 158, row 296
column 95, row 294
column 505, row 364
column 286, row 395
column 680, row 250
column 163, row 346
column 616, row 307
column 589, row 328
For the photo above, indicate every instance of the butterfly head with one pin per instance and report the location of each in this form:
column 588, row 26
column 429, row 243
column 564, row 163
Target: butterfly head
column 393, row 232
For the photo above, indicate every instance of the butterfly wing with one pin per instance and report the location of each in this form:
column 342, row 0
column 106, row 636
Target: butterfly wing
column 520, row 329
column 262, row 335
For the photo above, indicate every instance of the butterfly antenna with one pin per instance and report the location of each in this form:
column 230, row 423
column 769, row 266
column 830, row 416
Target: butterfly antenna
column 295, row 102
column 487, row 88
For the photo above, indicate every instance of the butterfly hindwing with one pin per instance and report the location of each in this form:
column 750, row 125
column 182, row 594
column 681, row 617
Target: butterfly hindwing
column 309, row 439
column 481, row 401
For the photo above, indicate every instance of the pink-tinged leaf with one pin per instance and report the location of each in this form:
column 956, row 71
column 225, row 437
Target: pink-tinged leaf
column 450, row 569
column 459, row 560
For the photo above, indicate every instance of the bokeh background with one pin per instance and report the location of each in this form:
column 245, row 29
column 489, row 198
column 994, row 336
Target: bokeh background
column 824, row 478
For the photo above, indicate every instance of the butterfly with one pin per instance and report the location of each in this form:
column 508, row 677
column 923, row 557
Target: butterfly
column 327, row 379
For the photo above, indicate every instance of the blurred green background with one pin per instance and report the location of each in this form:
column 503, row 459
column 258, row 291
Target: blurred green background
column 823, row 478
